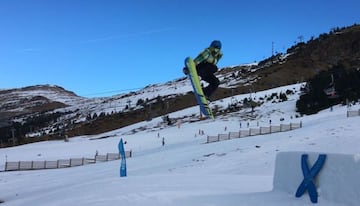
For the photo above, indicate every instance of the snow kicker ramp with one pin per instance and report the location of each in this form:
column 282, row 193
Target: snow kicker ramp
column 333, row 177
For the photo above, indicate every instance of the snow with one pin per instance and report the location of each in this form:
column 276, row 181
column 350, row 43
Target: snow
column 54, row 95
column 186, row 171
column 340, row 170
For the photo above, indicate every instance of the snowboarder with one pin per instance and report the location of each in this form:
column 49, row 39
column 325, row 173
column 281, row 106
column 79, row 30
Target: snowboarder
column 206, row 66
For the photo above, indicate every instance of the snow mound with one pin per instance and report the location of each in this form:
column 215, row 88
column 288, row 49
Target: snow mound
column 337, row 181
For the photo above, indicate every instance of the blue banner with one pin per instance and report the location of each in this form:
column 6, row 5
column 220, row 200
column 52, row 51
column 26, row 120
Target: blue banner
column 123, row 159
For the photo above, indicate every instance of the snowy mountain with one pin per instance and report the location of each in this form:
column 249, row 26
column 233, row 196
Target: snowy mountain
column 50, row 112
column 50, row 109
column 186, row 171
column 33, row 99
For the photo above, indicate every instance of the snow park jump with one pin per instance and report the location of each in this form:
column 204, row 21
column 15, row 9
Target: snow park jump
column 336, row 177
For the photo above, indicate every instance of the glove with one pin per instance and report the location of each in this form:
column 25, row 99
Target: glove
column 186, row 70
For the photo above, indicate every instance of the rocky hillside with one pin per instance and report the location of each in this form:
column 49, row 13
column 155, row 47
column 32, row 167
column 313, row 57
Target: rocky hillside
column 34, row 99
column 50, row 112
column 306, row 59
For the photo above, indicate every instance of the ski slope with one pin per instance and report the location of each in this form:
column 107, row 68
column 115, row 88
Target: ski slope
column 185, row 171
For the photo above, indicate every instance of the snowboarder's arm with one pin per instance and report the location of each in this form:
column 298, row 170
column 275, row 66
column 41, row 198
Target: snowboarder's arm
column 202, row 57
column 219, row 56
column 208, row 55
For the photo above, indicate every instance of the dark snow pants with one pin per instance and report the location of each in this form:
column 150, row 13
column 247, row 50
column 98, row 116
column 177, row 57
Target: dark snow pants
column 206, row 72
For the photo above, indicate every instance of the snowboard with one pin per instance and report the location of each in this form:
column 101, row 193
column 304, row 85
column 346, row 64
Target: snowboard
column 199, row 94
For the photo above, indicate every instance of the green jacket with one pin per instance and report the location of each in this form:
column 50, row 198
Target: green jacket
column 210, row 55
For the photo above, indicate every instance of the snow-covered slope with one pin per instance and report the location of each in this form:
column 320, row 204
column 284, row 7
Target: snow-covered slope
column 18, row 105
column 185, row 171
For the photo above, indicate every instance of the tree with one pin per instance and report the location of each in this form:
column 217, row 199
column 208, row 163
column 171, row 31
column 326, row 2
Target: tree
column 301, row 38
column 140, row 102
column 283, row 97
column 345, row 84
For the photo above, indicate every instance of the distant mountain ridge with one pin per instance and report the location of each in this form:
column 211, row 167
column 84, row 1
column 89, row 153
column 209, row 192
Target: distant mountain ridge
column 26, row 99
column 50, row 111
column 21, row 102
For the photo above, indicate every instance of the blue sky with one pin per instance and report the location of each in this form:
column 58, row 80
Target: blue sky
column 107, row 47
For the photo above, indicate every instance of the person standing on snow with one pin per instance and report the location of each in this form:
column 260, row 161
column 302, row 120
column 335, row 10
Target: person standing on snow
column 206, row 66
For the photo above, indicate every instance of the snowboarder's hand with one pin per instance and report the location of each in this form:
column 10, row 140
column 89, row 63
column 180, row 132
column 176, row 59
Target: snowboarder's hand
column 186, row 70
